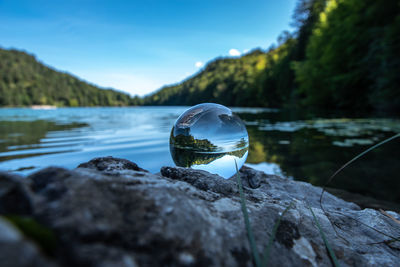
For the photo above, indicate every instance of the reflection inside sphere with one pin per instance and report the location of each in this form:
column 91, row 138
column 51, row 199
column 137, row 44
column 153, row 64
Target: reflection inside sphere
column 209, row 137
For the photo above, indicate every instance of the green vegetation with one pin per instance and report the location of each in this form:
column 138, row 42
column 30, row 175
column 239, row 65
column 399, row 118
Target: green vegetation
column 273, row 235
column 187, row 158
column 228, row 81
column 24, row 81
column 327, row 245
column 41, row 235
column 249, row 229
column 250, row 235
column 352, row 57
column 189, row 142
column 343, row 56
column 187, row 151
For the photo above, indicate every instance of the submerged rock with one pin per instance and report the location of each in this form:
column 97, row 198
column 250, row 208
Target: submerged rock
column 109, row 212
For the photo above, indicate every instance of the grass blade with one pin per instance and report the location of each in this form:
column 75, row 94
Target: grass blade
column 354, row 159
column 328, row 247
column 341, row 169
column 272, row 236
column 250, row 234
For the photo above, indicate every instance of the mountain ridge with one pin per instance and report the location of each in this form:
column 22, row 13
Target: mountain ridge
column 26, row 81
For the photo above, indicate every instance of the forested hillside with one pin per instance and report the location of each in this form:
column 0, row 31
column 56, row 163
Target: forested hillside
column 353, row 56
column 24, row 81
column 229, row 81
column 344, row 55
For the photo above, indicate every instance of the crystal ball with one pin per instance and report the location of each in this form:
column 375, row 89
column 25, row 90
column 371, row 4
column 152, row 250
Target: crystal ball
column 209, row 137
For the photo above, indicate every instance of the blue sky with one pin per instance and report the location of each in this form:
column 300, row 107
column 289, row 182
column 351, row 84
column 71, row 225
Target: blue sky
column 139, row 46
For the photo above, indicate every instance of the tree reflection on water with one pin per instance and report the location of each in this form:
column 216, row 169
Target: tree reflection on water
column 311, row 155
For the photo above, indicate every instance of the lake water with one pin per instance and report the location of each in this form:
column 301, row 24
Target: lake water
column 297, row 146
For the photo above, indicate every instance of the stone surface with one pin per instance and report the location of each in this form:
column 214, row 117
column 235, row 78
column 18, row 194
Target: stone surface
column 16, row 250
column 13, row 195
column 108, row 212
column 110, row 165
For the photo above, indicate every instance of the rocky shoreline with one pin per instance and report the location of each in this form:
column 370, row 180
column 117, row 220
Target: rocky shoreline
column 110, row 212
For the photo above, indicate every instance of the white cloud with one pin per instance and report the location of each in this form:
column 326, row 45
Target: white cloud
column 199, row 64
column 234, row 52
column 245, row 51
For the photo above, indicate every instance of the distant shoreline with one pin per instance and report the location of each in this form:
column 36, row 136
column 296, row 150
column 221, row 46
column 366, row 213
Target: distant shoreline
column 43, row 107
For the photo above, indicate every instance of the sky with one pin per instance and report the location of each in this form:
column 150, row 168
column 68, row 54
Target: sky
column 139, row 46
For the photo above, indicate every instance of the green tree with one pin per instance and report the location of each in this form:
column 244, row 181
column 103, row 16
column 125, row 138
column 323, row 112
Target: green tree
column 348, row 54
column 24, row 82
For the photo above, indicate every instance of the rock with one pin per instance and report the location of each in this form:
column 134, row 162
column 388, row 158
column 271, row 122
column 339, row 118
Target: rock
column 16, row 250
column 108, row 212
column 13, row 195
column 364, row 201
column 110, row 165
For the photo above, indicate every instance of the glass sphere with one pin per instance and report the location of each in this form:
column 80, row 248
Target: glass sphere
column 209, row 137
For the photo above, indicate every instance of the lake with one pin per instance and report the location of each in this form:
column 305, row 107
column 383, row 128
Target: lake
column 295, row 145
